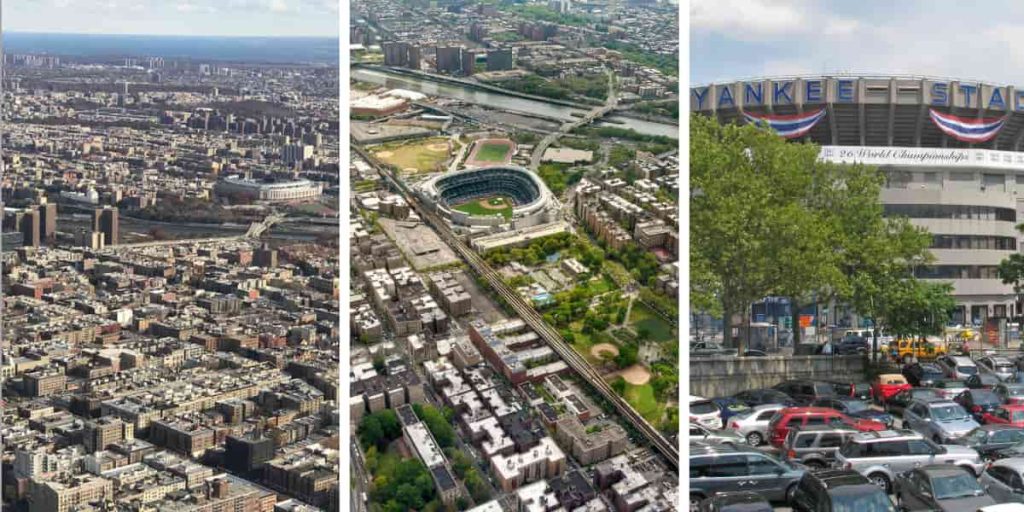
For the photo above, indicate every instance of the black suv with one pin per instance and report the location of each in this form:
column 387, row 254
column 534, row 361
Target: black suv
column 923, row 374
column 806, row 391
column 839, row 489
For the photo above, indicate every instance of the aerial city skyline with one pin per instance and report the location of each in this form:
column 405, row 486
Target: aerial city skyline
column 170, row 267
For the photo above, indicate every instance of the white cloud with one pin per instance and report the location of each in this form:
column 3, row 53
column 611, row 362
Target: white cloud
column 745, row 18
column 278, row 6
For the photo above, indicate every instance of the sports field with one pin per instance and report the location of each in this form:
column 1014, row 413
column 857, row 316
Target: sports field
column 641, row 316
column 487, row 206
column 642, row 399
column 492, row 152
column 426, row 155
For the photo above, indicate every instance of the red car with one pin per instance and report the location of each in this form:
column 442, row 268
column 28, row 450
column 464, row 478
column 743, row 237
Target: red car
column 886, row 385
column 802, row 416
column 1005, row 415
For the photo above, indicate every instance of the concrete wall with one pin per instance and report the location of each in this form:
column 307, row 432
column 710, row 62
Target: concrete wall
column 724, row 376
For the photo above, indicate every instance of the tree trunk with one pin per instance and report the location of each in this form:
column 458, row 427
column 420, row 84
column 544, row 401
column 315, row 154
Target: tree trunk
column 794, row 314
column 727, row 323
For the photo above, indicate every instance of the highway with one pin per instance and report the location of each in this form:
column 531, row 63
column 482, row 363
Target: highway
column 532, row 318
column 256, row 229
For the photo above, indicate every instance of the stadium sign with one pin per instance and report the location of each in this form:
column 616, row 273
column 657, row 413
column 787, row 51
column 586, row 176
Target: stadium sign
column 911, row 156
column 824, row 90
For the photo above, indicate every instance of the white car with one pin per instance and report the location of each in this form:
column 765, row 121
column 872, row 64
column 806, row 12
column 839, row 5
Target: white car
column 957, row 367
column 753, row 424
column 705, row 412
column 1002, row 480
column 999, row 366
column 1003, row 507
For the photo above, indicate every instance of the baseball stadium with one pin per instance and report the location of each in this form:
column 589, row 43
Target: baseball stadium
column 489, row 198
column 951, row 151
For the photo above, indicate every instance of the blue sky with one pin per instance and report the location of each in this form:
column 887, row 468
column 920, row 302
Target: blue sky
column 732, row 39
column 175, row 17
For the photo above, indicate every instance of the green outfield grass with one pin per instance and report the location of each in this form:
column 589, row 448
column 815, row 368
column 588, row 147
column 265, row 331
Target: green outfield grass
column 475, row 208
column 492, row 152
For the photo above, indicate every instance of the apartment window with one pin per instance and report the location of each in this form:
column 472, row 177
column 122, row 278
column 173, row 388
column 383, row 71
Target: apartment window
column 944, row 211
column 993, row 183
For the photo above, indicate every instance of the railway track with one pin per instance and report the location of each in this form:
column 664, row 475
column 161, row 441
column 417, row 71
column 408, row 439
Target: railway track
column 532, row 318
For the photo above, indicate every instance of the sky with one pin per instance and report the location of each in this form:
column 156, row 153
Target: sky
column 175, row 17
column 737, row 39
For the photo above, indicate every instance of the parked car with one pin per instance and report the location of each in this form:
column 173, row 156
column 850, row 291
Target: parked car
column 852, row 345
column 1005, row 415
column 880, row 456
column 710, row 348
column 753, row 425
column 942, row 421
column 978, row 402
column 715, row 436
column 855, row 409
column 957, row 367
column 755, row 397
column 807, row 416
column 923, row 374
column 999, row 366
column 1010, row 393
column 888, row 384
column 805, row 391
column 715, row 469
column 1003, row 480
column 949, row 388
column 839, row 490
column 982, row 380
column 1003, row 507
column 907, row 350
column 987, row 440
column 739, row 501
column 898, row 402
column 940, row 487
column 729, row 407
column 853, row 389
column 705, row 412
column 815, row 446
column 754, row 353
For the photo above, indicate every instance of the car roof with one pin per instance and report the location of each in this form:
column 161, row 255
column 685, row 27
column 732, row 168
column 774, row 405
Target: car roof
column 962, row 360
column 738, row 497
column 721, row 449
column 990, row 427
column 822, row 428
column 832, row 478
column 885, row 435
column 937, row 401
column 942, row 470
column 1014, row 463
column 809, row 410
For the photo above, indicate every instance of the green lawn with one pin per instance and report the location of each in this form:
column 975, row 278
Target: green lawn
column 475, row 208
column 642, row 316
column 492, row 152
column 642, row 399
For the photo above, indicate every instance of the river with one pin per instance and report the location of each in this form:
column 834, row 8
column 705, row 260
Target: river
column 504, row 101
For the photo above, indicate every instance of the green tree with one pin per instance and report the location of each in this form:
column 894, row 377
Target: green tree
column 619, row 385
column 627, row 356
column 918, row 308
column 1011, row 271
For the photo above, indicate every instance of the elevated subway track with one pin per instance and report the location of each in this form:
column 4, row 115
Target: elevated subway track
column 551, row 336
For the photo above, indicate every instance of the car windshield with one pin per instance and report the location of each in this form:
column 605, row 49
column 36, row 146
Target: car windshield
column 949, row 412
column 703, row 407
column 984, row 396
column 955, row 486
column 860, row 499
column 855, row 406
column 976, row 436
column 969, row 370
column 924, row 394
column 949, row 384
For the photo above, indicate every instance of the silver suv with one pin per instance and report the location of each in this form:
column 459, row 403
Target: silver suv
column 942, row 421
column 882, row 455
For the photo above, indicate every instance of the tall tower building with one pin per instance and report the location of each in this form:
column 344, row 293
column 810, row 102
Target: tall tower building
column 105, row 221
column 48, row 222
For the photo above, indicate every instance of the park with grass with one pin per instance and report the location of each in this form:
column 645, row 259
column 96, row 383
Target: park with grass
column 424, row 155
column 490, row 152
column 487, row 206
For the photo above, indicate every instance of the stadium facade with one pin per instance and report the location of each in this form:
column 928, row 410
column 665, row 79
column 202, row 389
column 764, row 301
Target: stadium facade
column 952, row 152
column 297, row 190
column 533, row 203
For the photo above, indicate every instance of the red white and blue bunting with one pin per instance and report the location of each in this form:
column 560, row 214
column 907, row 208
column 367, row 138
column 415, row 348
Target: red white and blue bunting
column 789, row 126
column 966, row 129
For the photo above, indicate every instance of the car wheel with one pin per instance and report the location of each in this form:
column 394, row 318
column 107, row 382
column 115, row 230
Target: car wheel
column 695, row 500
column 790, row 492
column 881, row 481
column 755, row 439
